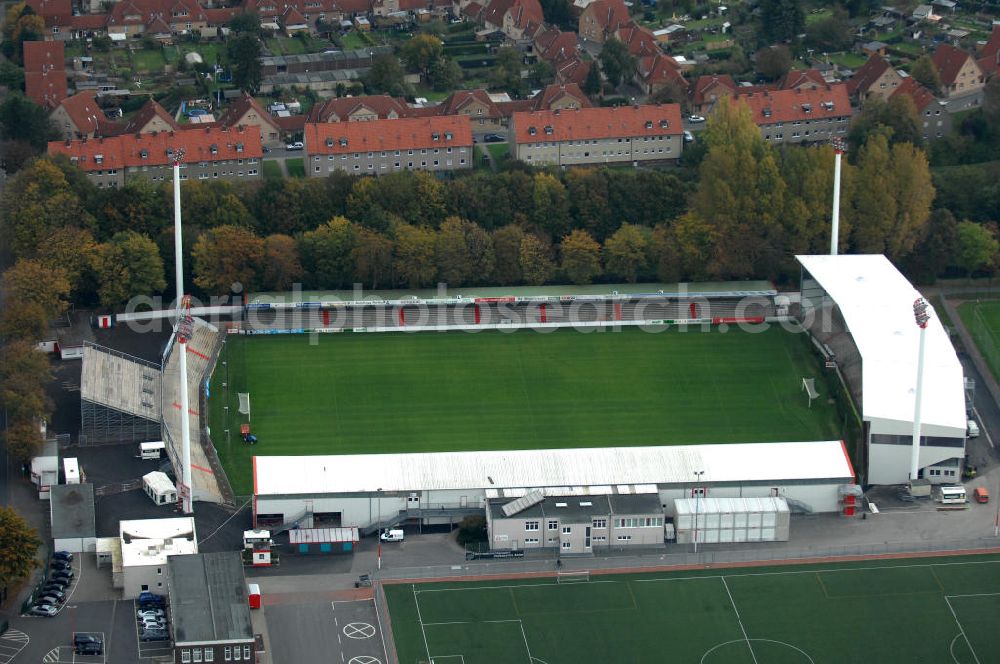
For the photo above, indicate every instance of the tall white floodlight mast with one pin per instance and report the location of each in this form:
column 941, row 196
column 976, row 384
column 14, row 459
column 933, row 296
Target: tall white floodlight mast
column 838, row 151
column 922, row 315
column 184, row 330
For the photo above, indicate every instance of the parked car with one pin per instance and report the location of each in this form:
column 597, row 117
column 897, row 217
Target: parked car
column 149, row 613
column 63, row 555
column 297, row 145
column 394, row 535
column 44, row 610
column 154, row 635
column 695, row 119
column 265, row 149
column 62, row 574
column 493, row 138
column 52, row 597
column 148, row 600
column 90, row 648
column 54, row 585
column 60, row 565
column 84, row 637
column 152, row 624
column 688, row 137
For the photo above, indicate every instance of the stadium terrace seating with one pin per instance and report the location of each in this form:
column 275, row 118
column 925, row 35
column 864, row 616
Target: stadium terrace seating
column 121, row 382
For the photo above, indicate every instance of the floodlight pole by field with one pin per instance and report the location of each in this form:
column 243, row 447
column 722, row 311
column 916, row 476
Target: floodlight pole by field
column 838, row 151
column 378, row 533
column 186, row 489
column 922, row 315
column 697, row 505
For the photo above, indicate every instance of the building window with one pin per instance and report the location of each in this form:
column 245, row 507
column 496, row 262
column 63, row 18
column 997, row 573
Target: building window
column 531, row 525
column 197, row 654
column 624, row 538
column 209, row 654
column 553, row 525
column 600, row 523
column 531, row 540
column 227, row 653
column 185, row 656
column 236, row 653
column 567, row 545
column 246, row 653
column 566, row 530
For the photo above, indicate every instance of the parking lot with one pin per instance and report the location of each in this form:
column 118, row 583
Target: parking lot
column 345, row 631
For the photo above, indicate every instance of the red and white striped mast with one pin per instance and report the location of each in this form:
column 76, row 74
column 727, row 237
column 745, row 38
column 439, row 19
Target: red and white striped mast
column 184, row 330
column 838, row 150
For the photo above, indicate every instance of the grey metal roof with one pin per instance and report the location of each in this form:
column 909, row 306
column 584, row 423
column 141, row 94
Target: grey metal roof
column 308, row 58
column 572, row 509
column 72, row 510
column 208, row 598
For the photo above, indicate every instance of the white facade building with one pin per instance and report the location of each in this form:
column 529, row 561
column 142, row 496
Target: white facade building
column 867, row 297
column 145, row 546
column 369, row 489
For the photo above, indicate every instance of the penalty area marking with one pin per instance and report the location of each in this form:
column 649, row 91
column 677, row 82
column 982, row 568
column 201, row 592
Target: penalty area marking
column 781, row 643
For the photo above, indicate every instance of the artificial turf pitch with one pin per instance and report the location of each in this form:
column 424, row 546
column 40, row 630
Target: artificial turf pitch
column 420, row 392
column 931, row 610
column 982, row 320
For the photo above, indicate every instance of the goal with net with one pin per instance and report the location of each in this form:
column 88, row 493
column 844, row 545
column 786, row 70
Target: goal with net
column 573, row 577
column 245, row 404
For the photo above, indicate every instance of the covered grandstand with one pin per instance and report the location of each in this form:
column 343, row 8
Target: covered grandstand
column 859, row 308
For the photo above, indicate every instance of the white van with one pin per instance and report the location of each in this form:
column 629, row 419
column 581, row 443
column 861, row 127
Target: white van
column 972, row 429
column 951, row 495
column 152, row 450
column 394, row 535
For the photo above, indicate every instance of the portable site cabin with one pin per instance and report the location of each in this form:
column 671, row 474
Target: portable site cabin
column 152, row 450
column 159, row 488
column 71, row 471
column 726, row 520
column 45, row 468
column 323, row 540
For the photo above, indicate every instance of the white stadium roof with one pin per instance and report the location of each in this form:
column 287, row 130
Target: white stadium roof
column 876, row 302
column 734, row 462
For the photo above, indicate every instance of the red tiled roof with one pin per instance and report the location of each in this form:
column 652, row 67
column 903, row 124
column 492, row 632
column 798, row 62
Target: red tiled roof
column 867, row 74
column 45, row 73
column 221, row 15
column 293, row 17
column 921, row 96
column 708, row 85
column 459, row 99
column 552, row 93
column 83, row 111
column 238, row 108
column 640, row 40
column 556, row 45
column 343, row 107
column 89, row 21
column 149, row 110
column 989, row 58
column 949, row 61
column 290, row 124
column 798, row 78
column 54, row 12
column 378, row 135
column 473, row 10
column 608, row 14
column 522, row 12
column 791, row 105
column 594, row 123
column 573, row 70
column 128, row 150
column 659, row 69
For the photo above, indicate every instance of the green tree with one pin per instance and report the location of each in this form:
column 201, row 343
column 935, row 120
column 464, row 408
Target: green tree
column 625, row 252
column 30, row 280
column 581, row 257
column 507, row 246
column 472, row 530
column 991, row 102
column 464, row 253
column 326, row 254
column 975, row 247
column 695, row 240
column 246, row 23
column 282, row 267
column 541, row 73
column 936, row 250
column 143, row 207
column 617, row 63
column 244, row 56
column 781, row 20
column 11, row 75
column 225, row 256
column 773, row 62
column 19, row 544
column 506, row 72
column 535, row 260
column 74, row 251
column 926, row 74
column 24, row 120
column 372, row 257
column 445, row 74
column 24, row 440
column 386, row 77
column 663, row 254
column 590, row 209
column 420, row 52
column 592, row 84
column 24, row 373
column 127, row 266
column 550, row 205
column 560, row 14
column 22, row 321
column 414, row 261
column 896, row 119
column 830, row 34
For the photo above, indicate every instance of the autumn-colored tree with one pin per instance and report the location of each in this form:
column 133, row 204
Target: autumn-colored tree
column 129, row 265
column 535, row 260
column 587, row 190
column 976, row 247
column 935, row 251
column 420, row 52
column 581, row 257
column 626, row 252
column 326, row 254
column 808, row 175
column 25, row 321
column 372, row 257
column 143, row 207
column 464, row 253
column 550, row 205
column 74, row 251
column 282, row 267
column 24, row 439
column 226, row 256
column 663, row 254
column 32, row 281
column 19, row 544
column 695, row 240
column 24, row 372
column 414, row 261
column 507, row 246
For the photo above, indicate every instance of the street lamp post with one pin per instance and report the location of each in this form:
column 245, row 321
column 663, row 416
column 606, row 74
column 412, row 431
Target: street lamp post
column 378, row 516
column 697, row 505
column 922, row 315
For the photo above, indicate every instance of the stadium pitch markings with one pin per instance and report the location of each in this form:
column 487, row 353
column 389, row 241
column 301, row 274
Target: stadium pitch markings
column 739, row 620
column 961, row 633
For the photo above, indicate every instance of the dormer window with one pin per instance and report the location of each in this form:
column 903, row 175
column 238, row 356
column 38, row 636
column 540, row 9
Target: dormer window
column 343, row 142
column 329, row 142
column 239, row 147
column 214, row 148
column 664, row 124
column 649, row 124
column 767, row 112
column 144, row 154
column 549, row 130
column 435, row 136
column 828, row 105
column 532, row 131
column 807, row 108
column 448, row 136
column 98, row 158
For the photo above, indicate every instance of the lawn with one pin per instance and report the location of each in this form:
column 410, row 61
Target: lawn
column 913, row 611
column 849, row 60
column 271, row 169
column 148, row 60
column 296, row 167
column 352, row 40
column 357, row 393
column 982, row 320
column 499, row 151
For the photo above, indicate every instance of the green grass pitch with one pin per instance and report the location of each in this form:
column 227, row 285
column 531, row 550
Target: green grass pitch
column 982, row 320
column 933, row 611
column 419, row 392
